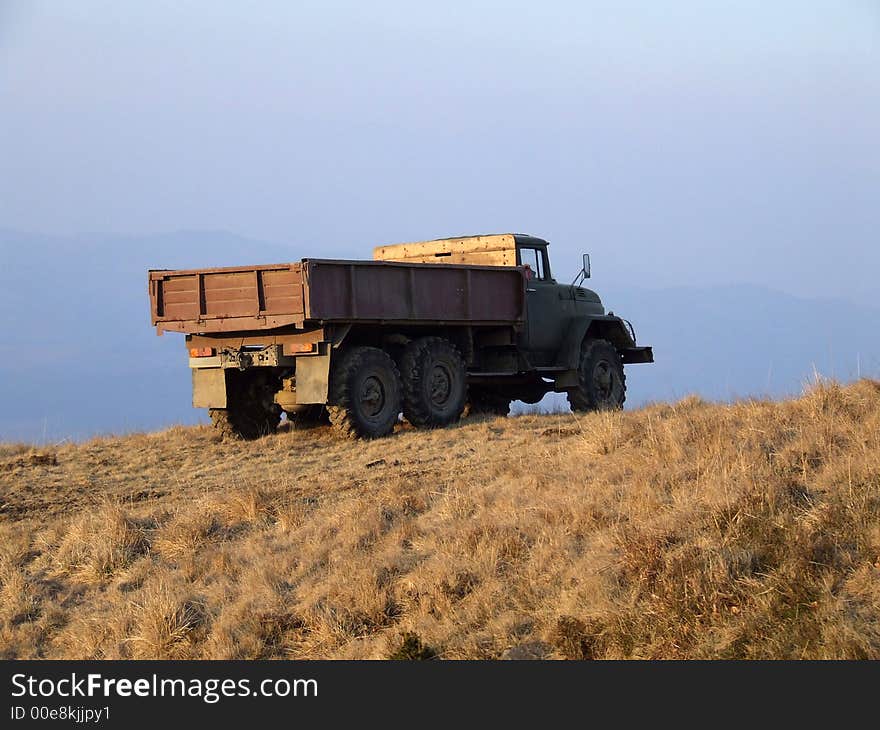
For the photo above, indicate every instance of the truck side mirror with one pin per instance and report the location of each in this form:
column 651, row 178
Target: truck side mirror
column 586, row 266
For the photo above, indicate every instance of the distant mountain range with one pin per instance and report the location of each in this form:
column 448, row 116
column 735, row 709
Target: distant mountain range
column 78, row 356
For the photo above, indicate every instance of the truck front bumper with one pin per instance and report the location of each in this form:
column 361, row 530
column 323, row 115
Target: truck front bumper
column 636, row 354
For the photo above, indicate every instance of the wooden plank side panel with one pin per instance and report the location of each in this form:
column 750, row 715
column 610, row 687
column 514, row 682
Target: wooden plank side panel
column 180, row 296
column 184, row 283
column 262, row 295
column 231, row 294
column 283, row 290
column 188, row 310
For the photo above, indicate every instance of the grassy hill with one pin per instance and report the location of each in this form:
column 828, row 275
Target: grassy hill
column 687, row 530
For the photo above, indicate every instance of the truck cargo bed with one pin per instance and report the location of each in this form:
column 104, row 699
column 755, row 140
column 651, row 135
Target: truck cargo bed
column 237, row 299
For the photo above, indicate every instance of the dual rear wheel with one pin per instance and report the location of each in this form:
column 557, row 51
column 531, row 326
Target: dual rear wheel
column 367, row 391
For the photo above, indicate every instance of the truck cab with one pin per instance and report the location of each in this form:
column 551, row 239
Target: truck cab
column 564, row 327
column 550, row 307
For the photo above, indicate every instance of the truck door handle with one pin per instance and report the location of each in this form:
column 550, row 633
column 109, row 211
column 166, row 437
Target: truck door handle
column 531, row 290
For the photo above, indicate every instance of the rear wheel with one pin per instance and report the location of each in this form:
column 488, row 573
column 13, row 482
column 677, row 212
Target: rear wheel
column 601, row 380
column 364, row 394
column 434, row 382
column 250, row 411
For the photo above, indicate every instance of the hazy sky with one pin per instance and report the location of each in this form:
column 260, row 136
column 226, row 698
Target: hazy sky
column 679, row 142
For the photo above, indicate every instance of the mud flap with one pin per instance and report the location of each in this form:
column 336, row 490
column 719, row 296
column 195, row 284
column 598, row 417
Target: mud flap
column 312, row 378
column 209, row 388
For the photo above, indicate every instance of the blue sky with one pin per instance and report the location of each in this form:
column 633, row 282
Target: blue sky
column 681, row 143
column 704, row 153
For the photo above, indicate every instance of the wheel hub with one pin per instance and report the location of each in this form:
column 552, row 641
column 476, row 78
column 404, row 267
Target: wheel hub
column 440, row 385
column 372, row 396
column 603, row 380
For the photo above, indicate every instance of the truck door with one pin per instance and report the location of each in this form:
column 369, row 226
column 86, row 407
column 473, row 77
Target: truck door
column 545, row 319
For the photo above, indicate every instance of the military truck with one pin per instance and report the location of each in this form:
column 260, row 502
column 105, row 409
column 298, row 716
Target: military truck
column 431, row 330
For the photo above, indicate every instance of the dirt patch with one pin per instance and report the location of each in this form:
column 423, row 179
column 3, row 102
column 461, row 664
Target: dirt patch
column 29, row 461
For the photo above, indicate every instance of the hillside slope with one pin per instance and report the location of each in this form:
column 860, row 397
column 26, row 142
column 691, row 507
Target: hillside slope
column 676, row 531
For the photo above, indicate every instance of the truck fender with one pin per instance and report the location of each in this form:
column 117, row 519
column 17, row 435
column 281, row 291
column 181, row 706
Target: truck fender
column 602, row 327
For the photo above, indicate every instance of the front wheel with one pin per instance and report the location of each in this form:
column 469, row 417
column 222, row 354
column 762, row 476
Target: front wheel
column 364, row 393
column 601, row 381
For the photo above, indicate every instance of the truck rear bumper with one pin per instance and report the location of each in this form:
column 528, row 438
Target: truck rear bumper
column 271, row 356
column 630, row 355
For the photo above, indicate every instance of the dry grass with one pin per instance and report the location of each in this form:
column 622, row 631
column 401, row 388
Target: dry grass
column 685, row 530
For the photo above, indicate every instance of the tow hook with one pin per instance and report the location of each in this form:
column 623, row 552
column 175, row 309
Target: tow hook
column 242, row 360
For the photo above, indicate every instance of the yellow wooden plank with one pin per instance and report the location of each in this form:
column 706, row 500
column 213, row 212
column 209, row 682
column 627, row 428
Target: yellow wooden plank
column 475, row 258
column 495, row 250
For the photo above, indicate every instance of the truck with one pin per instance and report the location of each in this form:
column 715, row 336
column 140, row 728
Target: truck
column 431, row 330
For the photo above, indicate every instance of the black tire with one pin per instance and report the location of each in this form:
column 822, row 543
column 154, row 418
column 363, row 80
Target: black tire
column 602, row 382
column 434, row 382
column 364, row 399
column 250, row 411
column 487, row 403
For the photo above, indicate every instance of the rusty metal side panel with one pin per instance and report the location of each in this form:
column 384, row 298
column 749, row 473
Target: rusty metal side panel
column 497, row 294
column 380, row 291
